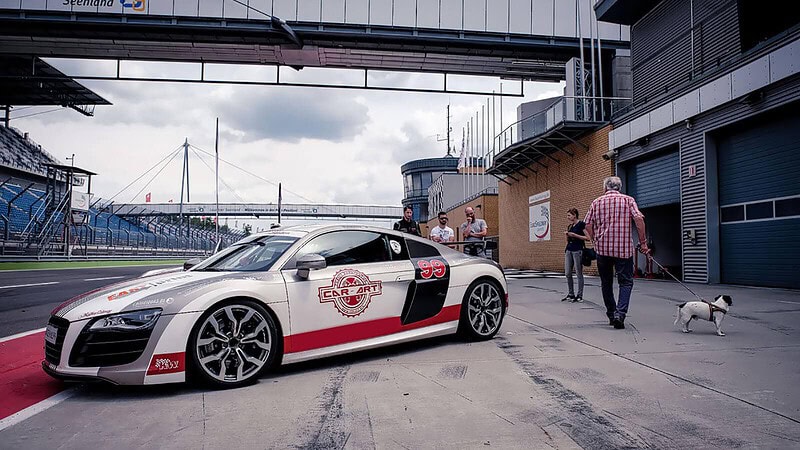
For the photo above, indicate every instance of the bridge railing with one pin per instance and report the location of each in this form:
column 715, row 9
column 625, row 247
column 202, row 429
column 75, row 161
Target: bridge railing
column 564, row 109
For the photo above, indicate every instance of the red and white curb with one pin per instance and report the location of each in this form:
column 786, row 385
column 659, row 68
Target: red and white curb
column 25, row 388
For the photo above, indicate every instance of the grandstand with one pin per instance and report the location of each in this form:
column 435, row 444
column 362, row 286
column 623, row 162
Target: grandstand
column 33, row 202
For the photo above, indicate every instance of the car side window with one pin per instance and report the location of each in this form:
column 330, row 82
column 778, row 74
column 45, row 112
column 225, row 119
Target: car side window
column 422, row 250
column 398, row 248
column 346, row 248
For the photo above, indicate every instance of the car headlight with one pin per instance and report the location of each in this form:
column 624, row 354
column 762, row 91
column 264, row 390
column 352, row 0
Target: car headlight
column 129, row 321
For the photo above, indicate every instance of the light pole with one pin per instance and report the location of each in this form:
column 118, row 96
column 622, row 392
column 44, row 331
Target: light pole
column 68, row 218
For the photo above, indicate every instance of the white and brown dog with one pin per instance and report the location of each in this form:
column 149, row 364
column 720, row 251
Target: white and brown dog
column 713, row 312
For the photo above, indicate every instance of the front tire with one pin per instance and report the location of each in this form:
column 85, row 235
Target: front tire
column 233, row 343
column 482, row 311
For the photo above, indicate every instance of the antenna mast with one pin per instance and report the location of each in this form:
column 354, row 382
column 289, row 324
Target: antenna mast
column 449, row 129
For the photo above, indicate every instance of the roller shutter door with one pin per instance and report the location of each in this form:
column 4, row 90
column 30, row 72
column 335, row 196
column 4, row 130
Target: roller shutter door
column 656, row 181
column 759, row 197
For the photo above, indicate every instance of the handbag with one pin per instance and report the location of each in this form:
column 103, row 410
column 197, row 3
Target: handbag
column 587, row 256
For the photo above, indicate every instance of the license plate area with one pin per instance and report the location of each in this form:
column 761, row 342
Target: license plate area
column 50, row 334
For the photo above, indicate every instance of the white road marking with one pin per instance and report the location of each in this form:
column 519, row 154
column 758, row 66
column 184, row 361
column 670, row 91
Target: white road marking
column 103, row 278
column 32, row 410
column 791, row 303
column 28, row 285
column 19, row 335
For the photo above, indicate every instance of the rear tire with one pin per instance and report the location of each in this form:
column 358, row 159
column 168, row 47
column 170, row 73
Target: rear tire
column 233, row 343
column 482, row 311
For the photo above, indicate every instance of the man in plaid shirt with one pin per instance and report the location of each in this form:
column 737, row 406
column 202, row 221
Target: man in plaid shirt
column 608, row 225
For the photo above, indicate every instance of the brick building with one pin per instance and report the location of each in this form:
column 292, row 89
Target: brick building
column 573, row 182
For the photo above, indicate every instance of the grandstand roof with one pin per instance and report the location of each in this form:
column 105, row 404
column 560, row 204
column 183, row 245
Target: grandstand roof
column 72, row 169
column 26, row 80
column 19, row 152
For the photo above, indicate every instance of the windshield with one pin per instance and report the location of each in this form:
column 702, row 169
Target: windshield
column 248, row 256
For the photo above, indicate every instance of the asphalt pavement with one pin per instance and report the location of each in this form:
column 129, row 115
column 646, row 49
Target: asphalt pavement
column 28, row 296
column 556, row 376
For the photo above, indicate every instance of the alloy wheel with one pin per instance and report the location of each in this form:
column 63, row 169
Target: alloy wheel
column 484, row 309
column 233, row 343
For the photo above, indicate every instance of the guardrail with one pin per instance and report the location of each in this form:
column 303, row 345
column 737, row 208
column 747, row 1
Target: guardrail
column 34, row 258
column 11, row 248
column 490, row 246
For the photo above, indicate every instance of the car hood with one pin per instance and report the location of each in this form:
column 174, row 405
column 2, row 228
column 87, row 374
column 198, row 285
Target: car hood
column 169, row 291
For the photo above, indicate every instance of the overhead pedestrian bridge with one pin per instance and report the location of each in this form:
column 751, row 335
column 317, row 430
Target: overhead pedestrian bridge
column 512, row 39
column 294, row 210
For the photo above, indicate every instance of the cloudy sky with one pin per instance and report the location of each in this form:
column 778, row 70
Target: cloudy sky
column 323, row 145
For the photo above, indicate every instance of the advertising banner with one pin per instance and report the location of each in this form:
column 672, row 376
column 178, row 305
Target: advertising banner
column 539, row 217
column 80, row 201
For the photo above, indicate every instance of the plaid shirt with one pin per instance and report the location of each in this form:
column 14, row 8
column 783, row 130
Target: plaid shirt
column 610, row 217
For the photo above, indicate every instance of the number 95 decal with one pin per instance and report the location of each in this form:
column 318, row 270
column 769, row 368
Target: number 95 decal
column 431, row 268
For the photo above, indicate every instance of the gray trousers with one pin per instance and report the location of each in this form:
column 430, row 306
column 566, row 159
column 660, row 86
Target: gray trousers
column 572, row 261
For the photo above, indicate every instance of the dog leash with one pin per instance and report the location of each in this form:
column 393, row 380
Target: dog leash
column 673, row 276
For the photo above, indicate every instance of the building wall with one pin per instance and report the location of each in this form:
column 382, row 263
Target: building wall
column 452, row 188
column 698, row 208
column 574, row 182
column 663, row 45
column 418, row 176
column 734, row 79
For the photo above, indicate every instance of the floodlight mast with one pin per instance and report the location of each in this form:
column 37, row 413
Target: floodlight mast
column 216, row 208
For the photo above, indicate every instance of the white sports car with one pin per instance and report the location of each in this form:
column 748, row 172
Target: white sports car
column 286, row 295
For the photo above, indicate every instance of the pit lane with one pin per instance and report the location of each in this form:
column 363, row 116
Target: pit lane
column 557, row 376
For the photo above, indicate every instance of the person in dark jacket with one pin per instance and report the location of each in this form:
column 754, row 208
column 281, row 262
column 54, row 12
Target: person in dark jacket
column 407, row 224
column 573, row 254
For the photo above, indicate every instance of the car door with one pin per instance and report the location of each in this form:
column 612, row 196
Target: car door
column 359, row 295
column 428, row 292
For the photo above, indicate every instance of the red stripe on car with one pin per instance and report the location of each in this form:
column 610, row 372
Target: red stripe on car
column 364, row 330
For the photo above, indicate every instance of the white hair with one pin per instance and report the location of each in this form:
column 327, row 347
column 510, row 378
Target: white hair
column 612, row 184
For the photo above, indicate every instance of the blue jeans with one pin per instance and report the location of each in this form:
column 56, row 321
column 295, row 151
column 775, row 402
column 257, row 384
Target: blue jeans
column 606, row 266
column 572, row 262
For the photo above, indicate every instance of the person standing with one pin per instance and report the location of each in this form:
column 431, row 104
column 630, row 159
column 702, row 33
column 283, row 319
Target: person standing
column 442, row 233
column 474, row 230
column 608, row 225
column 407, row 224
column 573, row 253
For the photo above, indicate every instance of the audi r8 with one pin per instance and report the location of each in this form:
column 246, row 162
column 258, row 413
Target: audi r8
column 282, row 296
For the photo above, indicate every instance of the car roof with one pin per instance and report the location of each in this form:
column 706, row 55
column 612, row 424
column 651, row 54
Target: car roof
column 302, row 230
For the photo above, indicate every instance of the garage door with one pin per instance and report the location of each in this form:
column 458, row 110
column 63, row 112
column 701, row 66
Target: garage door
column 759, row 197
column 656, row 181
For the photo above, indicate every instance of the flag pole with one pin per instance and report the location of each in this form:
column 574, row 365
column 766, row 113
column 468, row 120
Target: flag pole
column 461, row 165
column 216, row 209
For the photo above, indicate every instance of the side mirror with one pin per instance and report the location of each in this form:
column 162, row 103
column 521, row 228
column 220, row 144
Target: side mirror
column 191, row 263
column 307, row 263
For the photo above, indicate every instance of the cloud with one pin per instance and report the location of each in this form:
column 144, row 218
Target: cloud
column 323, row 145
column 246, row 114
column 292, row 114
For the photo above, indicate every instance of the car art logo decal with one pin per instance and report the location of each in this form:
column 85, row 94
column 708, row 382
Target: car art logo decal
column 142, row 287
column 350, row 292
